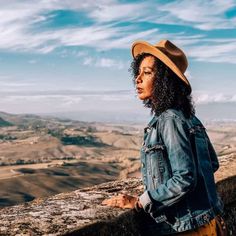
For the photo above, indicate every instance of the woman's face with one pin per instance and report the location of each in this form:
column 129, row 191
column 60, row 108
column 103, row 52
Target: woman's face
column 145, row 78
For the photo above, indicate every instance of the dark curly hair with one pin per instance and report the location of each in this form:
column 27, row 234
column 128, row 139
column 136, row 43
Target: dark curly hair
column 168, row 92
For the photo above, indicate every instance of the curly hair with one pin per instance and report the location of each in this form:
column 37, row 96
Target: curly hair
column 169, row 91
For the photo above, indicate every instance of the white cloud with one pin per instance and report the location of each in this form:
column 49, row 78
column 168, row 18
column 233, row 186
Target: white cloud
column 126, row 40
column 88, row 61
column 40, row 103
column 17, row 34
column 117, row 97
column 188, row 75
column 201, row 14
column 20, row 31
column 104, row 63
column 81, row 53
column 214, row 52
column 109, row 63
column 55, row 101
column 115, row 12
column 203, row 97
column 32, row 61
column 18, row 21
column 7, row 83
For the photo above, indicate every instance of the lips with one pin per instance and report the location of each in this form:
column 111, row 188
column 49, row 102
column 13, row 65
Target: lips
column 139, row 90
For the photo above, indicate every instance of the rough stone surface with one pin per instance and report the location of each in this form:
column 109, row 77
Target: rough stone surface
column 63, row 212
column 80, row 212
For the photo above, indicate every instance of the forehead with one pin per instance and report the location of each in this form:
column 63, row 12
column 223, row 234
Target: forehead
column 147, row 62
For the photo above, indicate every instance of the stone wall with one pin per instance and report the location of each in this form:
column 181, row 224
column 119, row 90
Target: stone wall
column 80, row 212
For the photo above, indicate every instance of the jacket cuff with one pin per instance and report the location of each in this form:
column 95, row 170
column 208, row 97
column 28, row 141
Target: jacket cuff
column 146, row 201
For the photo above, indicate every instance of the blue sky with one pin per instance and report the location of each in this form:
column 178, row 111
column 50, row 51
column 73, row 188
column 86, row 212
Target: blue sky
column 72, row 57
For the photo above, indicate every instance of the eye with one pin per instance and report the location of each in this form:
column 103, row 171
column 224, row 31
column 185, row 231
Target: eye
column 147, row 72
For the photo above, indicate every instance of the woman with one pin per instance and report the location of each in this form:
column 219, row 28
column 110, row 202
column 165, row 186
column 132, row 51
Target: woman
column 177, row 158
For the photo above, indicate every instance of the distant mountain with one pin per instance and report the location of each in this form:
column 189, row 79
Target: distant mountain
column 36, row 121
column 17, row 119
column 222, row 112
column 4, row 123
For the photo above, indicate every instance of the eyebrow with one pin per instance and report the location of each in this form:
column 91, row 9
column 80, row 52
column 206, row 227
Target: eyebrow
column 147, row 67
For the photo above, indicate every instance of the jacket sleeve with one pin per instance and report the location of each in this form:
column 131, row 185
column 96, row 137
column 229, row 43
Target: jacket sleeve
column 176, row 139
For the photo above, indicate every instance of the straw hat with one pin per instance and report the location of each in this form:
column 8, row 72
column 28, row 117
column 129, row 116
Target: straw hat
column 168, row 53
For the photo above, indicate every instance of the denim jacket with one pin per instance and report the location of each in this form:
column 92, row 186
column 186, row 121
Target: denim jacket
column 178, row 163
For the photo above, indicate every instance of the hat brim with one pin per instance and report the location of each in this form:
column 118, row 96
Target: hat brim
column 140, row 47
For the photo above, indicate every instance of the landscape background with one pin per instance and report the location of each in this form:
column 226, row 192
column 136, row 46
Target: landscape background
column 70, row 116
column 43, row 156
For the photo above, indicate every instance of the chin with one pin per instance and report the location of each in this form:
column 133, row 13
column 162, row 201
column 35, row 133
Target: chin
column 142, row 97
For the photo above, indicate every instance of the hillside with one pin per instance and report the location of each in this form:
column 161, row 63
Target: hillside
column 4, row 123
column 44, row 156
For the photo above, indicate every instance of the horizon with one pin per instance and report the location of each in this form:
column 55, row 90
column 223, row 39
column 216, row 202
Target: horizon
column 116, row 118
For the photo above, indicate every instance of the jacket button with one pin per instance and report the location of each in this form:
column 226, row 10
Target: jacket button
column 147, row 129
column 143, row 165
column 145, row 187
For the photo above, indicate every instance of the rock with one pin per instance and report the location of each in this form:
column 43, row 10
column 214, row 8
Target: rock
column 80, row 212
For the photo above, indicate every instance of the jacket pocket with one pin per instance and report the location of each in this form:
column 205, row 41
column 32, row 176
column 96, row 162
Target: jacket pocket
column 155, row 164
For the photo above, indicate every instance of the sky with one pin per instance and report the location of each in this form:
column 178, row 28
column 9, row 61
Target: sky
column 71, row 58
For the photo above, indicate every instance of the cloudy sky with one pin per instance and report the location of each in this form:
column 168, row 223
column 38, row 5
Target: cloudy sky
column 71, row 57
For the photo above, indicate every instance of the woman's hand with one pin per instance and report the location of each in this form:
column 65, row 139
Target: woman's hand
column 122, row 201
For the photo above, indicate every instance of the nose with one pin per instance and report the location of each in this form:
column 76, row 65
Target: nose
column 139, row 78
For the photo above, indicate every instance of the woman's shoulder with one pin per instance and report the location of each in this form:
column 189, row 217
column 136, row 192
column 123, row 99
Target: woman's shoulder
column 176, row 116
column 173, row 114
column 170, row 119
